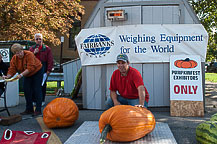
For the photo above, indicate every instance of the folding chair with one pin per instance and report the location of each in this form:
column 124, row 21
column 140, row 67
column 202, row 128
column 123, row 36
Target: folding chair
column 3, row 96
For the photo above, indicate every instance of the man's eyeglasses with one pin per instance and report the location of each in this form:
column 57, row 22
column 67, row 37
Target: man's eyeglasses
column 38, row 39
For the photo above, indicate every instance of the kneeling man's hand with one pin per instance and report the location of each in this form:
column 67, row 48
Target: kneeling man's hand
column 139, row 105
column 117, row 103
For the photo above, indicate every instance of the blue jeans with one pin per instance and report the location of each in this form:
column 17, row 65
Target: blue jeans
column 124, row 101
column 43, row 88
column 32, row 85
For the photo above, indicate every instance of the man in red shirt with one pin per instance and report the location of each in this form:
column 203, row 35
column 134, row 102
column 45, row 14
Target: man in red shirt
column 126, row 86
column 44, row 54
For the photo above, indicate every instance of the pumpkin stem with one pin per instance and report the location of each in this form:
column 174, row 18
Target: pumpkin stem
column 105, row 130
column 187, row 59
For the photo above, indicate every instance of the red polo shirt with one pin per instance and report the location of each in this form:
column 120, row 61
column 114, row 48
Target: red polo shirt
column 127, row 85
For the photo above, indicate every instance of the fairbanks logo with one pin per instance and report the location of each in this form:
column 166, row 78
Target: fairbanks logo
column 97, row 45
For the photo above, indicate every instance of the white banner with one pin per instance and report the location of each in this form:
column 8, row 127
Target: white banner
column 142, row 43
column 186, row 78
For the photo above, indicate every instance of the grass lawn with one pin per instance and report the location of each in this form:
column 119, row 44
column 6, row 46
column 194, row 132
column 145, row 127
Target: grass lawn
column 211, row 77
column 51, row 87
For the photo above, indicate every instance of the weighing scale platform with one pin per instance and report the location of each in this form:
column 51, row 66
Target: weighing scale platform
column 88, row 133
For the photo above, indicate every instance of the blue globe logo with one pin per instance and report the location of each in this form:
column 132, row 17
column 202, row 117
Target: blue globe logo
column 97, row 44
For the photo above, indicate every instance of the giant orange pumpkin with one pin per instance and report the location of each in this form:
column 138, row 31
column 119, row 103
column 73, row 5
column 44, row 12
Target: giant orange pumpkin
column 187, row 63
column 60, row 112
column 125, row 123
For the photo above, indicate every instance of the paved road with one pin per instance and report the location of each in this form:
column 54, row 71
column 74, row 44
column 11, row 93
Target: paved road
column 183, row 128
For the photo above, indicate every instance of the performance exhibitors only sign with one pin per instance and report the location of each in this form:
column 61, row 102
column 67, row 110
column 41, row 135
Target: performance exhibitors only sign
column 185, row 78
column 142, row 43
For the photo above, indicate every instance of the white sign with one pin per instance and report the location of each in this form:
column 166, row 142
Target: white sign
column 142, row 43
column 185, row 78
column 62, row 38
column 5, row 54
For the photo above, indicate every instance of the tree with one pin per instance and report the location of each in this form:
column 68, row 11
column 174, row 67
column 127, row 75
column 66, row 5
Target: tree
column 206, row 11
column 21, row 19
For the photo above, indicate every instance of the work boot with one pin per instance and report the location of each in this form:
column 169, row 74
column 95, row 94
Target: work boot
column 27, row 112
column 36, row 113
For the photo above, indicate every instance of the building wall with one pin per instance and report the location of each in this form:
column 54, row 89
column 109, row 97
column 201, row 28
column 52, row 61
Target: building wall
column 67, row 53
column 70, row 70
column 96, row 79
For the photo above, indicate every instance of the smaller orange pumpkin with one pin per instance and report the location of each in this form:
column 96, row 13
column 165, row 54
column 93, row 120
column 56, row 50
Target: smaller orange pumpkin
column 187, row 63
column 60, row 112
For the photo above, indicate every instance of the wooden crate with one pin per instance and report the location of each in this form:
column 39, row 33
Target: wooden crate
column 10, row 120
column 186, row 108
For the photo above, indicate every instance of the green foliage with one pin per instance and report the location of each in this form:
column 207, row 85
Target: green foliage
column 76, row 84
column 211, row 77
column 206, row 11
column 214, row 117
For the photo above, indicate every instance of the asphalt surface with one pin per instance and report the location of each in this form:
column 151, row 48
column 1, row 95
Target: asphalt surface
column 183, row 128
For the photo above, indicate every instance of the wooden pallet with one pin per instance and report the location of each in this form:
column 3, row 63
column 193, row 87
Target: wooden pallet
column 10, row 120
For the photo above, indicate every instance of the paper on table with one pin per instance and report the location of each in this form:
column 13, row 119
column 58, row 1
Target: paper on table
column 44, row 78
column 14, row 78
column 11, row 79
